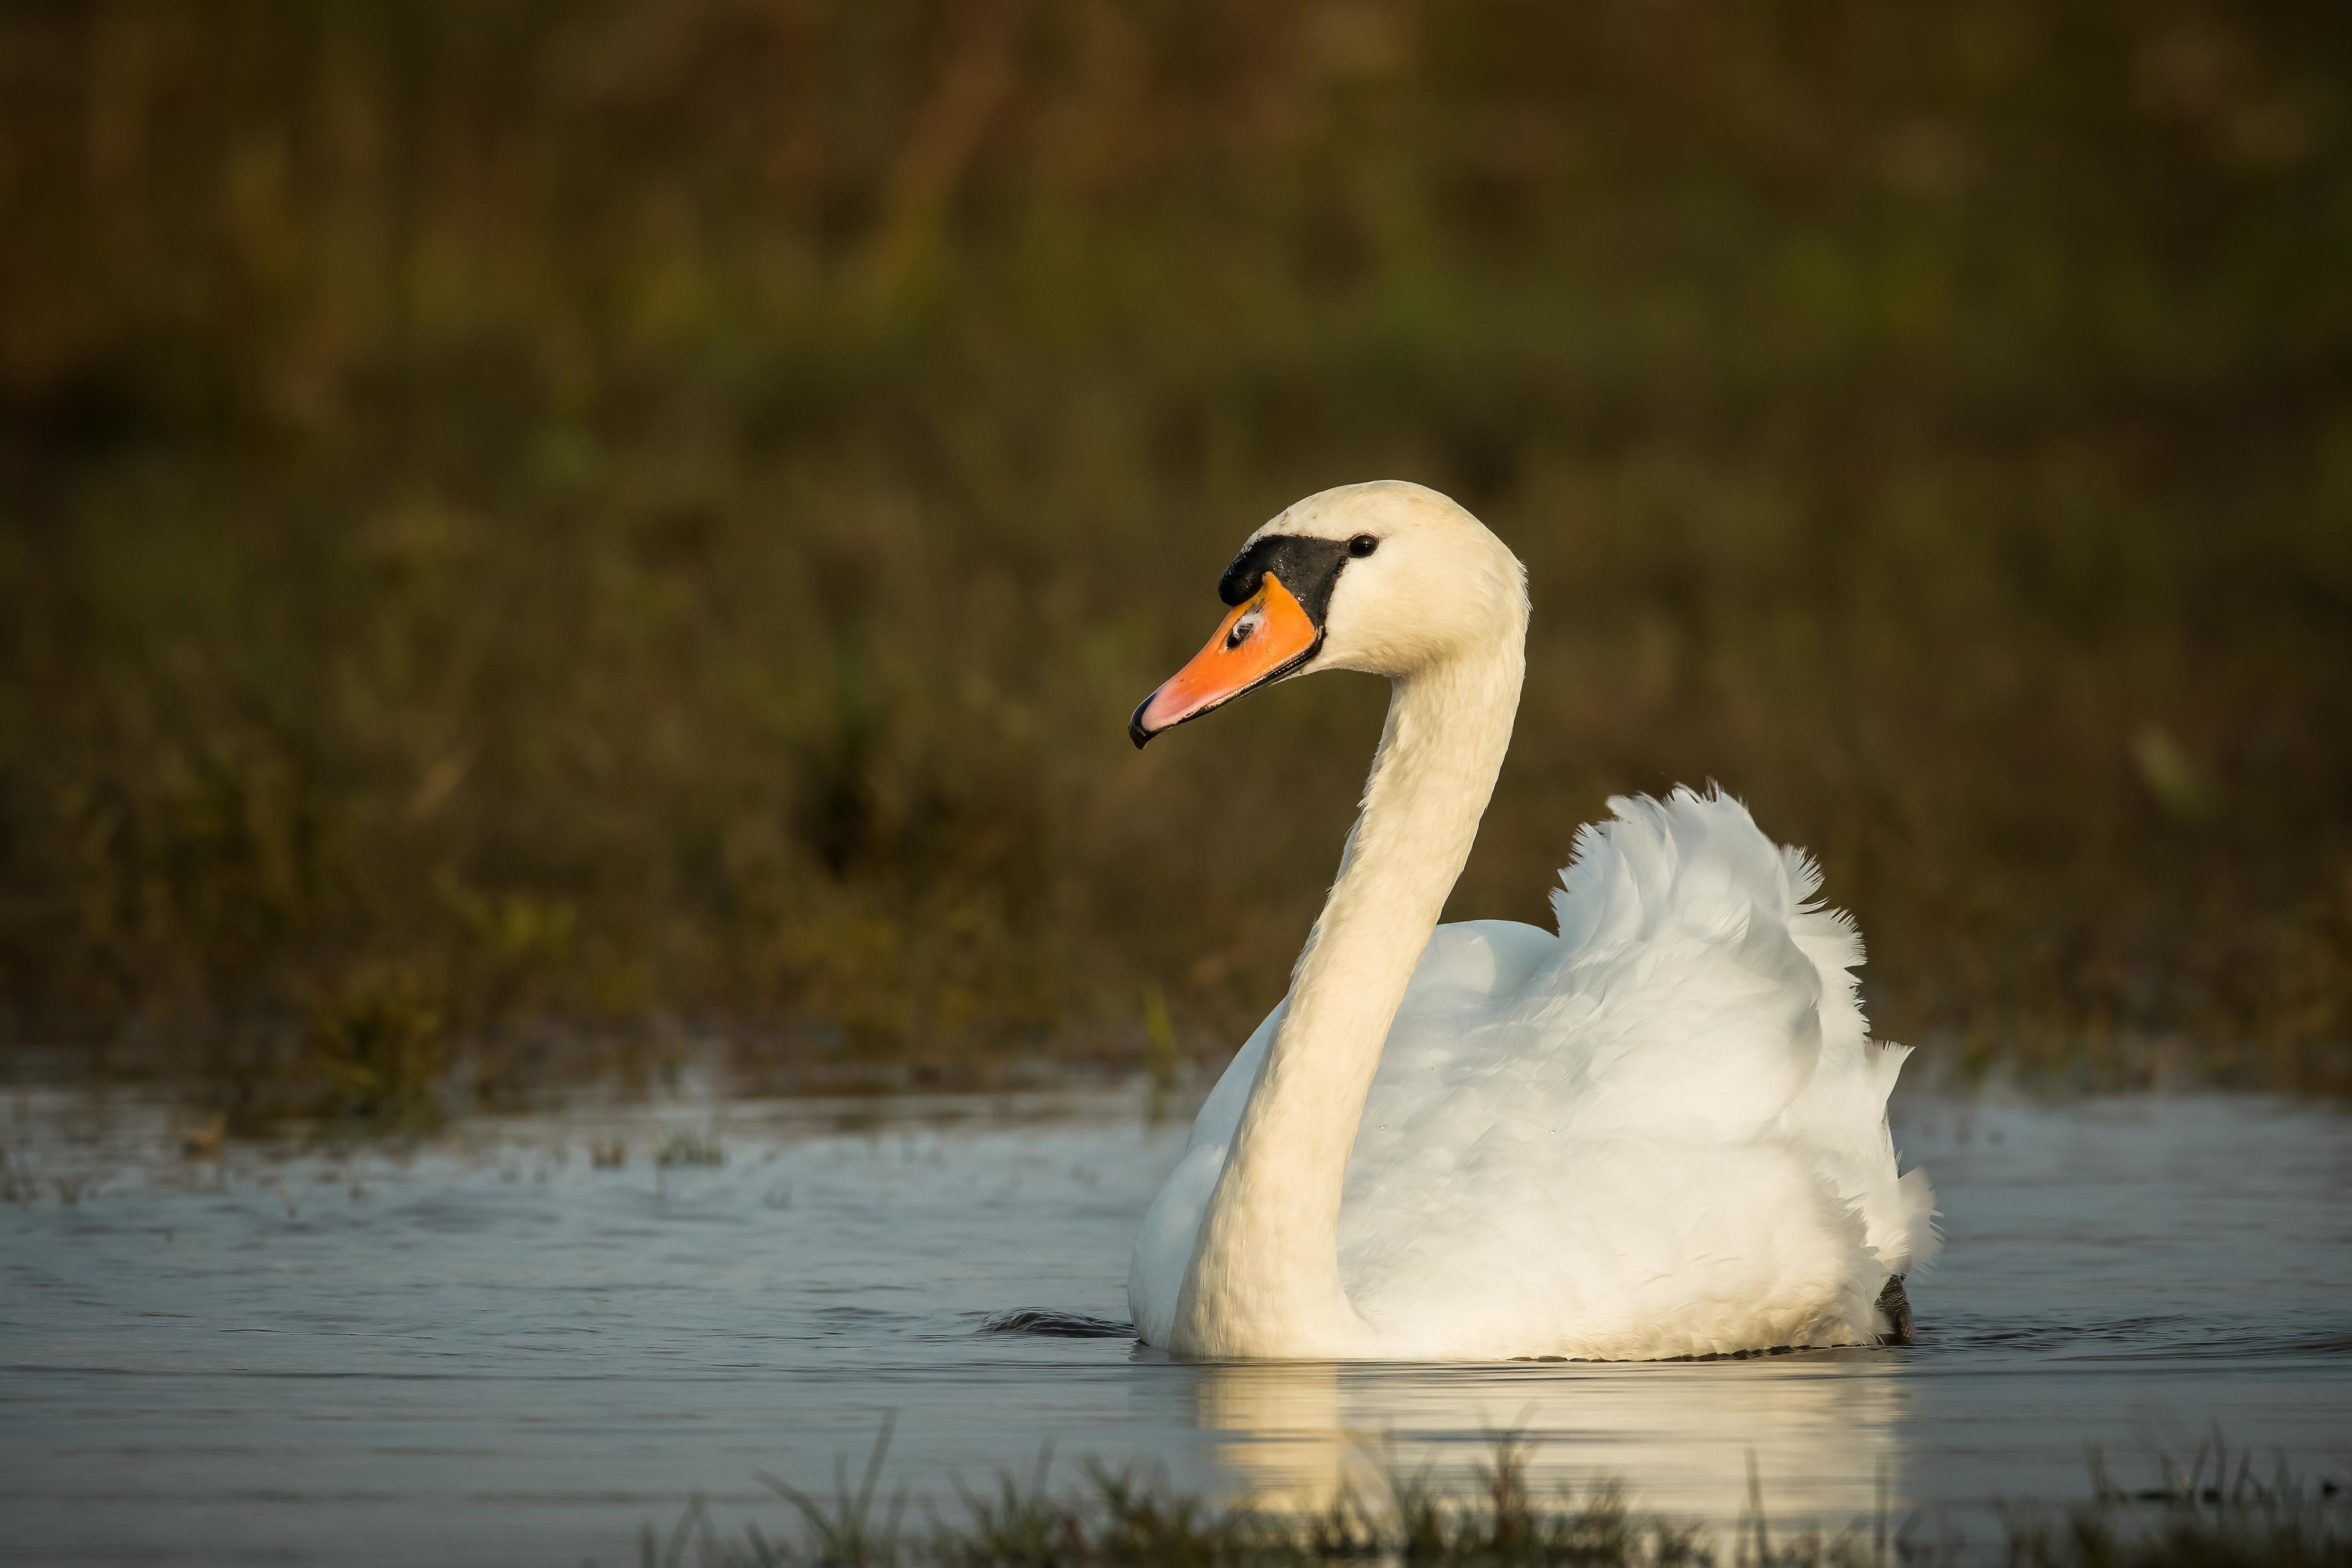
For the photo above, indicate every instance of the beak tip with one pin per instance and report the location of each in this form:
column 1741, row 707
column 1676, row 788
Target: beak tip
column 1136, row 731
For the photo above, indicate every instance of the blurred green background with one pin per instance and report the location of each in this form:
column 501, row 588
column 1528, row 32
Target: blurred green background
column 542, row 537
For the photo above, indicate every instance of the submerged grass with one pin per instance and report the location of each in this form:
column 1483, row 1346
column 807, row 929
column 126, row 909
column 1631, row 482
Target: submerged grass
column 1122, row 1519
column 532, row 534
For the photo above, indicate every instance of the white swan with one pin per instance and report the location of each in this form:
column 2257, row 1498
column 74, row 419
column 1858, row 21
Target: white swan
column 1660, row 1133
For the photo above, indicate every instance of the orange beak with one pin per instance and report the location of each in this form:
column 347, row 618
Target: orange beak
column 1268, row 635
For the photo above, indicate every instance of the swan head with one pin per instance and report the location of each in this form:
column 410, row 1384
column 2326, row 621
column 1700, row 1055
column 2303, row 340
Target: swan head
column 1389, row 577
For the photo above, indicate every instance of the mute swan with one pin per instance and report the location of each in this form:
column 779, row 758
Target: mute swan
column 1660, row 1133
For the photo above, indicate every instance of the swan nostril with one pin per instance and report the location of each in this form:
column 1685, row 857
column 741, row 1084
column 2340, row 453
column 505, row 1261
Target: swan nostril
column 1240, row 634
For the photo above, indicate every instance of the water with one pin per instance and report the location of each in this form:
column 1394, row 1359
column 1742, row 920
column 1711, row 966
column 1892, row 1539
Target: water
column 497, row 1350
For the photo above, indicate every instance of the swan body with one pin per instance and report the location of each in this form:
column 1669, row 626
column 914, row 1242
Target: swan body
column 1660, row 1131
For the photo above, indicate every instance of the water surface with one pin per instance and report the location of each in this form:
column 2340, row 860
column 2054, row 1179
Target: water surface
column 494, row 1349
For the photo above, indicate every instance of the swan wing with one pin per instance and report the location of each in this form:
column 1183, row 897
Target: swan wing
column 1664, row 1135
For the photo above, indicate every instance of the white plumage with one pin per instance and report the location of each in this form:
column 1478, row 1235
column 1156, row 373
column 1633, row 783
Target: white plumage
column 1660, row 1132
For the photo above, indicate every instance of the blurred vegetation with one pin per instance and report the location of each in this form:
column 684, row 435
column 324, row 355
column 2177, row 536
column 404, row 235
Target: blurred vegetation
column 536, row 533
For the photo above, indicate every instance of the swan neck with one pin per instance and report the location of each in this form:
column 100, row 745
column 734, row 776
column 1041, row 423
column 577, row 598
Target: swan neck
column 1264, row 1279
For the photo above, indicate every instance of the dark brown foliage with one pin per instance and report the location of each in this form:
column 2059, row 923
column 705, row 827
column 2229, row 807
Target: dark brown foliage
column 554, row 521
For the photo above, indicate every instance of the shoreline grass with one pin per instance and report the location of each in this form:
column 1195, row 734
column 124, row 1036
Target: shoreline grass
column 1122, row 1517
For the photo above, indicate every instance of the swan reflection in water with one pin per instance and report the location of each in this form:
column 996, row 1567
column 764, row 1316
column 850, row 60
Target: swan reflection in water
column 1823, row 1428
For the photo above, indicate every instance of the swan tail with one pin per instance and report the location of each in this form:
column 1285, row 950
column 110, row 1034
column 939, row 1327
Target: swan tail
column 1918, row 1241
column 1717, row 993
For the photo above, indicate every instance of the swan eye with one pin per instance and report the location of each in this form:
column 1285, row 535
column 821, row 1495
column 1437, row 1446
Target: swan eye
column 1362, row 545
